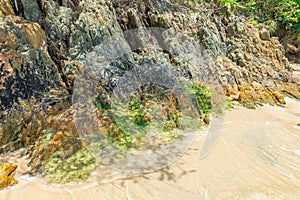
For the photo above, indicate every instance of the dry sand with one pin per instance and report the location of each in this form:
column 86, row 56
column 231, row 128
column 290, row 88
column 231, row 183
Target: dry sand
column 257, row 157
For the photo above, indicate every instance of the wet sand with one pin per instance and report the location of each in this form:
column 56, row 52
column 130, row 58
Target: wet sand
column 257, row 157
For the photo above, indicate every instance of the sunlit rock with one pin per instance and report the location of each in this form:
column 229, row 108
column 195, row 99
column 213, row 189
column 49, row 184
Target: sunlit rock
column 7, row 173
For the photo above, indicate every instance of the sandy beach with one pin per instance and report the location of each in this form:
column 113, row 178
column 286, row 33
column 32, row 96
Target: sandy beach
column 256, row 157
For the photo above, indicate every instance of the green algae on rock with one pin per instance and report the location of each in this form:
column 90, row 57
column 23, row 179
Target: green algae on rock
column 77, row 167
column 7, row 173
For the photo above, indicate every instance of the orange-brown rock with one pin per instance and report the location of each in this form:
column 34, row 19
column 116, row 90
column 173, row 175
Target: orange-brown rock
column 250, row 95
column 7, row 173
column 6, row 8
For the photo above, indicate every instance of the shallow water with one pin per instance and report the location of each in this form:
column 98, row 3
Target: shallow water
column 257, row 157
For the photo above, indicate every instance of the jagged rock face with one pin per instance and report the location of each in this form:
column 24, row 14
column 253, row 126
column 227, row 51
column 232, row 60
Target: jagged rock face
column 7, row 173
column 35, row 61
column 26, row 67
column 27, row 72
column 244, row 57
column 74, row 29
column 254, row 67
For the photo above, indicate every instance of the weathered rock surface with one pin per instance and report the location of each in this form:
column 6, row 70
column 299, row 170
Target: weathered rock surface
column 26, row 67
column 7, row 173
column 249, row 63
column 42, row 44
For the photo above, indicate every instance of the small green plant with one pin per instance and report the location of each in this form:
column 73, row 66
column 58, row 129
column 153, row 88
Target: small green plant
column 124, row 142
column 139, row 112
column 230, row 4
column 228, row 104
column 204, row 96
column 169, row 125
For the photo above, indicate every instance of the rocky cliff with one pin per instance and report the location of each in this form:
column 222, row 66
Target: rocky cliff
column 42, row 45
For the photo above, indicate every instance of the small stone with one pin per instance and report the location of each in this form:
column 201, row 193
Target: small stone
column 206, row 119
column 298, row 124
column 264, row 34
column 279, row 97
column 7, row 173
